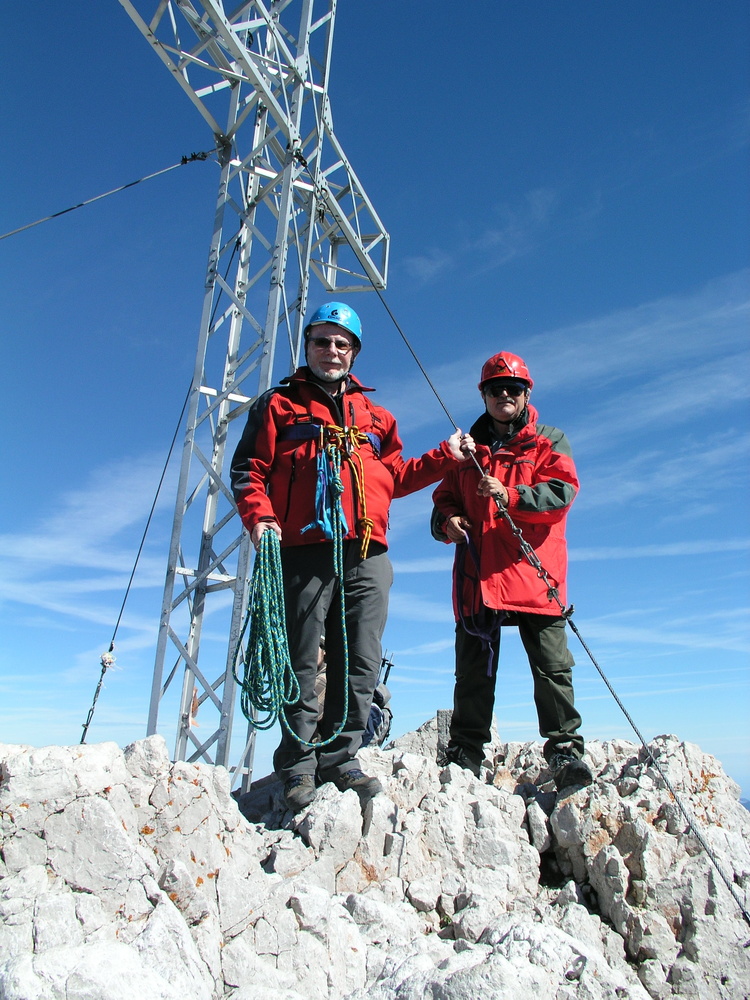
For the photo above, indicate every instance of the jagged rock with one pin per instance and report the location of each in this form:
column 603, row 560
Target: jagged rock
column 123, row 875
column 333, row 825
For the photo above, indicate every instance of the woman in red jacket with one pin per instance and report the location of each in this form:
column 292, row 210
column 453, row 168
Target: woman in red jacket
column 529, row 469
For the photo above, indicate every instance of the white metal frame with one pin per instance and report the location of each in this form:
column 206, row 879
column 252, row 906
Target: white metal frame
column 289, row 207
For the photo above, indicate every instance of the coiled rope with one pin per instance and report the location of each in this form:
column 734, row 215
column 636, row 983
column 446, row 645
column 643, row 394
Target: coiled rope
column 268, row 683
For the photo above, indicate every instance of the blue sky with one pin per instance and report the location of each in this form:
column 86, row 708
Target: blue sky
column 569, row 182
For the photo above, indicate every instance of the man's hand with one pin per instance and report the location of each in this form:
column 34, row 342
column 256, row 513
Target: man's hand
column 491, row 487
column 456, row 528
column 461, row 445
column 258, row 530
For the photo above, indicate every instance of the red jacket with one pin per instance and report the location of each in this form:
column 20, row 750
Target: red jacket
column 536, row 466
column 274, row 469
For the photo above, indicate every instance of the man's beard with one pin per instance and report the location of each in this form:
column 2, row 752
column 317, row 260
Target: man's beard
column 327, row 376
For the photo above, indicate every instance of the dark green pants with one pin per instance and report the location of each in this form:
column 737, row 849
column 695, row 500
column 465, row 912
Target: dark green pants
column 545, row 641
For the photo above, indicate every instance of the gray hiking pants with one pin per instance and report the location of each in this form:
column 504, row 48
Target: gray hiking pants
column 313, row 608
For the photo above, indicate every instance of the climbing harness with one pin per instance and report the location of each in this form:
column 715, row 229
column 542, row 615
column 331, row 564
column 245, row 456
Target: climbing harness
column 337, row 444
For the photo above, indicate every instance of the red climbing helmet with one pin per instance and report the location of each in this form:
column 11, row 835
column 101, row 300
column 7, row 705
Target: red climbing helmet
column 505, row 365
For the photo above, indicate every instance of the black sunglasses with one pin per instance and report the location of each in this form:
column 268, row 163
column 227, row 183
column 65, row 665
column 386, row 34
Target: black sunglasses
column 496, row 389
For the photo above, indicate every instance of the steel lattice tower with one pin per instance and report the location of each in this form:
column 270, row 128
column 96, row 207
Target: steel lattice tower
column 289, row 207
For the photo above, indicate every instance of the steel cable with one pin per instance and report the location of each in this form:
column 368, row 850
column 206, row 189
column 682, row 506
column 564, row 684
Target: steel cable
column 123, row 187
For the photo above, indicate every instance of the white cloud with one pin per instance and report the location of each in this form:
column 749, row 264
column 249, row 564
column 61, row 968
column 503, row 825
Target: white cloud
column 518, row 230
column 96, row 527
column 426, row 649
column 85, row 525
column 683, row 335
column 675, row 636
column 440, row 564
column 664, row 551
column 680, row 475
column 417, row 608
column 424, row 267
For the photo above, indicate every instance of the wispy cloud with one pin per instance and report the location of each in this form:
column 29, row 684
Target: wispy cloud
column 671, row 471
column 83, row 530
column 424, row 267
column 683, row 335
column 75, row 564
column 425, row 649
column 733, row 637
column 545, row 214
column 514, row 230
column 667, row 551
column 518, row 230
column 440, row 564
column 417, row 608
column 650, row 628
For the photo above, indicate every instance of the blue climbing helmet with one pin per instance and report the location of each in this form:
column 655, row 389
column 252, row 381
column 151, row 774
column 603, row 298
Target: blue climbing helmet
column 340, row 314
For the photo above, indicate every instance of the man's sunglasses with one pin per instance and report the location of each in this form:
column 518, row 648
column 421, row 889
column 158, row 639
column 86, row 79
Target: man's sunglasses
column 323, row 343
column 496, row 389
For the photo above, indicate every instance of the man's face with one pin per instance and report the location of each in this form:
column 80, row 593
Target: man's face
column 505, row 399
column 330, row 352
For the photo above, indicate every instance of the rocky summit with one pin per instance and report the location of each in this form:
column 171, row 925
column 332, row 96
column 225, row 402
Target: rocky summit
column 125, row 876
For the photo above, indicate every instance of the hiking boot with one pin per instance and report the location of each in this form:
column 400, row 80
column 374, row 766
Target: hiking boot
column 367, row 788
column 299, row 791
column 454, row 754
column 569, row 770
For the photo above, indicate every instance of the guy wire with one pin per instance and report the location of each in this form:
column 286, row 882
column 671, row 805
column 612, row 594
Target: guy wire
column 123, row 187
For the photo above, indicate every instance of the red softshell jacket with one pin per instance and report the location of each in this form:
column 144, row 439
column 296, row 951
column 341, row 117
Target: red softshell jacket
column 536, row 466
column 274, row 473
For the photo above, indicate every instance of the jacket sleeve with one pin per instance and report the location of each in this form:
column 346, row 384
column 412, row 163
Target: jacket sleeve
column 252, row 461
column 447, row 503
column 412, row 474
column 555, row 481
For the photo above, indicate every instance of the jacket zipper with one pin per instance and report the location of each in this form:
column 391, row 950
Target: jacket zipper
column 292, row 477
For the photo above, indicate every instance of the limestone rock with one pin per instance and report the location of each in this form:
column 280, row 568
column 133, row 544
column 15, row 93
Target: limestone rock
column 124, row 875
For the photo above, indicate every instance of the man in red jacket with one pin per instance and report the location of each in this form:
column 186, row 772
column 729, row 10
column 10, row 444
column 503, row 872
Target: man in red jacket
column 318, row 461
column 529, row 469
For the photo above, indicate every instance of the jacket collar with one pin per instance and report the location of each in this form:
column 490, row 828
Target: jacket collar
column 303, row 374
column 483, row 432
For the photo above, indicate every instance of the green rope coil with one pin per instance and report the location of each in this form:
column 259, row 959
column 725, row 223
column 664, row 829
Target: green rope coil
column 268, row 683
